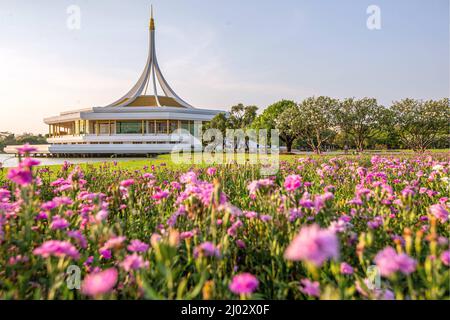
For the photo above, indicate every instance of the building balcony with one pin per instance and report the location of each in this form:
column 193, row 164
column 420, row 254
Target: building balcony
column 121, row 138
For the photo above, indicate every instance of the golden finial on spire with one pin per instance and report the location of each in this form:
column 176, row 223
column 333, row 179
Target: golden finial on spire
column 152, row 22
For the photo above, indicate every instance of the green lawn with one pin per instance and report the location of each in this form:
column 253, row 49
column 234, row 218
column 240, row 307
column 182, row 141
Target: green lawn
column 166, row 159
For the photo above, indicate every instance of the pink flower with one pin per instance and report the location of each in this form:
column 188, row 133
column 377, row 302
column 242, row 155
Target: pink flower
column 160, row 195
column 440, row 212
column 133, row 262
column 22, row 177
column 211, row 171
column 240, row 244
column 189, row 177
column 127, row 183
column 292, row 182
column 313, row 245
column 346, row 268
column 405, row 263
column 206, row 249
column 385, row 261
column 250, row 214
column 26, row 149
column 99, row 283
column 77, row 235
column 445, row 257
column 137, row 246
column 389, row 262
column 258, row 184
column 310, row 288
column 105, row 253
column 29, row 163
column 49, row 205
column 186, row 235
column 59, row 223
column 244, row 283
column 101, row 215
column 58, row 249
column 114, row 242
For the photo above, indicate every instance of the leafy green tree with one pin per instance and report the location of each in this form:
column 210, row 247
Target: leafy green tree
column 220, row 122
column 317, row 121
column 419, row 122
column 360, row 119
column 241, row 117
column 289, row 125
column 268, row 118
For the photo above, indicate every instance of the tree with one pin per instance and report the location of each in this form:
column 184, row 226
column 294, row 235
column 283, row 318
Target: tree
column 317, row 121
column 419, row 122
column 289, row 125
column 220, row 122
column 241, row 116
column 268, row 118
column 360, row 119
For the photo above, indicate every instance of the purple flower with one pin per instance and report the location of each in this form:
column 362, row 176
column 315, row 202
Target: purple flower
column 21, row 176
column 29, row 163
column 440, row 212
column 389, row 262
column 59, row 223
column 313, row 245
column 127, row 183
column 240, row 244
column 244, row 283
column 445, row 258
column 137, row 246
column 133, row 262
column 26, row 149
column 99, row 283
column 105, row 253
column 186, row 235
column 405, row 263
column 292, row 182
column 265, row 218
column 250, row 214
column 310, row 288
column 76, row 234
column 211, row 171
column 113, row 242
column 346, row 268
column 189, row 177
column 385, row 261
column 206, row 249
column 58, row 249
column 160, row 195
column 258, row 184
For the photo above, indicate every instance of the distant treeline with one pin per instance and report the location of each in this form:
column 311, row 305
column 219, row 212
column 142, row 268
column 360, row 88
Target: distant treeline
column 323, row 123
column 8, row 138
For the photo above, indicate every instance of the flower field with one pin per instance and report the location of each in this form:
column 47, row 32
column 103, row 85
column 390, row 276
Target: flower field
column 312, row 231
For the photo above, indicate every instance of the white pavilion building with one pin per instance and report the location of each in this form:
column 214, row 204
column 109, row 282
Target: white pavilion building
column 136, row 123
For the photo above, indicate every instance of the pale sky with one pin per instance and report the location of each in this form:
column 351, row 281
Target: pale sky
column 216, row 54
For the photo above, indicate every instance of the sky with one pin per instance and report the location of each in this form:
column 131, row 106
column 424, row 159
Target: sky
column 216, row 54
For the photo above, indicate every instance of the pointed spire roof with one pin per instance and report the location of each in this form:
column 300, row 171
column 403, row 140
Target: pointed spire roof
column 153, row 76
